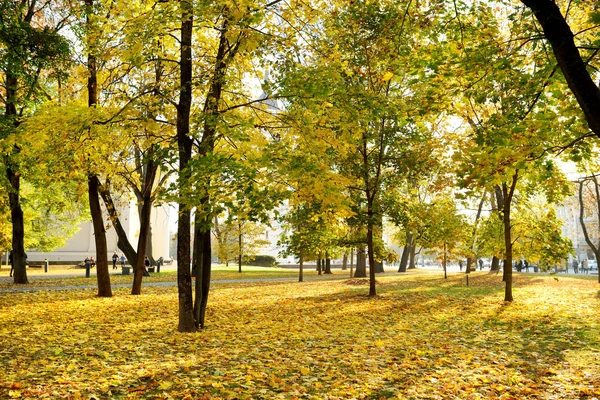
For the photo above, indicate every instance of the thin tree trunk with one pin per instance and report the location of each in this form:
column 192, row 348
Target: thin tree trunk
column 472, row 259
column 102, row 274
column 445, row 263
column 319, row 264
column 240, row 248
column 595, row 247
column 123, row 242
column 301, row 266
column 371, row 255
column 411, row 263
column 19, row 260
column 508, row 193
column 184, row 142
column 345, row 262
column 206, row 148
column 405, row 253
column 497, row 206
column 149, row 178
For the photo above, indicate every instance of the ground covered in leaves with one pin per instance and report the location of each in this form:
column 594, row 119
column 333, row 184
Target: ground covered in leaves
column 422, row 337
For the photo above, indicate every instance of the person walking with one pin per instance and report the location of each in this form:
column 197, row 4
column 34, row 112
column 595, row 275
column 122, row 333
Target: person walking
column 115, row 258
column 122, row 260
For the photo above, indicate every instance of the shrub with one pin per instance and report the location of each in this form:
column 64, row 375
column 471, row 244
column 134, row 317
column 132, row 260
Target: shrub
column 260, row 260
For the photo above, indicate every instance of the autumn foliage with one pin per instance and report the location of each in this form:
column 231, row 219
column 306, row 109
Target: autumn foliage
column 421, row 337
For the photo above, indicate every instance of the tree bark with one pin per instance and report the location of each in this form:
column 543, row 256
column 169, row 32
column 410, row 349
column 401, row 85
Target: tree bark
column 225, row 53
column 411, row 264
column 594, row 246
column 102, row 274
column 184, row 143
column 498, row 202
column 345, row 262
column 301, row 266
column 327, row 264
column 240, row 244
column 149, row 178
column 19, row 261
column 319, row 271
column 123, row 242
column 351, row 262
column 202, row 260
column 508, row 192
column 361, row 264
column 472, row 260
column 371, row 255
column 405, row 253
column 559, row 34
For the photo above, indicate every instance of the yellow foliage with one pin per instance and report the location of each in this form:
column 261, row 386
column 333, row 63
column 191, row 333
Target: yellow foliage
column 422, row 337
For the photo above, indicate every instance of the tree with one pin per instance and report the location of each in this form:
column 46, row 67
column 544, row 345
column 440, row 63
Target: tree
column 30, row 47
column 513, row 124
column 589, row 188
column 567, row 53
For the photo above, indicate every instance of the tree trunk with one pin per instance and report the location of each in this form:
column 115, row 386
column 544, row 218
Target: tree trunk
column 206, row 148
column 472, row 260
column 405, row 253
column 123, row 242
column 371, row 255
column 240, row 247
column 445, row 262
column 202, row 260
column 411, row 264
column 495, row 265
column 301, row 266
column 574, row 68
column 351, row 262
column 149, row 178
column 508, row 193
column 14, row 193
column 345, row 262
column 19, row 261
column 361, row 264
column 497, row 206
column 184, row 143
column 102, row 274
column 319, row 264
column 594, row 246
column 327, row 264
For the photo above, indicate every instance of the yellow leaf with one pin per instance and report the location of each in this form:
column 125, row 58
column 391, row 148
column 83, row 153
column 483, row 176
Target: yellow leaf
column 165, row 385
column 387, row 76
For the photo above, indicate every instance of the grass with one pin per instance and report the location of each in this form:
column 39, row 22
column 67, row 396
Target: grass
column 422, row 337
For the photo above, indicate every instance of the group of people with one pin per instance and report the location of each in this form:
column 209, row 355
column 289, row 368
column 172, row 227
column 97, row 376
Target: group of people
column 580, row 267
column 116, row 258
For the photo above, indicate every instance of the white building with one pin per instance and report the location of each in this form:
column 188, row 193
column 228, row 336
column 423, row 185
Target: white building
column 82, row 244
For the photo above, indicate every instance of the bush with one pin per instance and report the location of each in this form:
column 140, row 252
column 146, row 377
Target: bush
column 260, row 261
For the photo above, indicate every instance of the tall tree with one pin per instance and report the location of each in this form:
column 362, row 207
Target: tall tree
column 31, row 47
column 557, row 31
